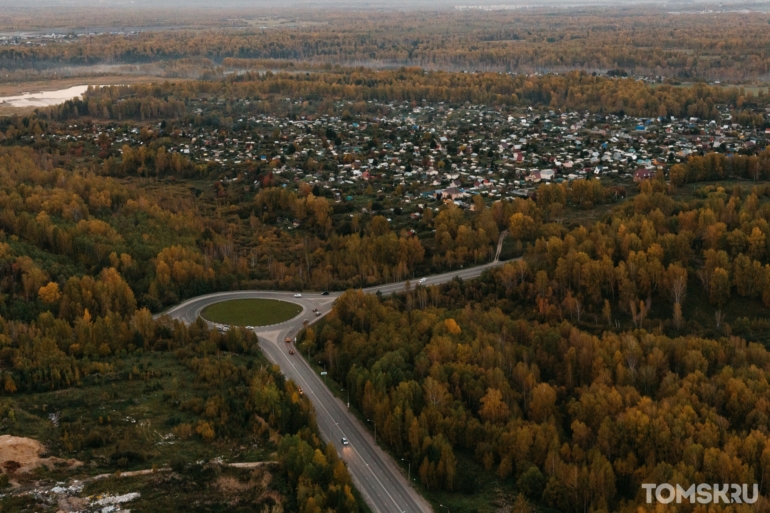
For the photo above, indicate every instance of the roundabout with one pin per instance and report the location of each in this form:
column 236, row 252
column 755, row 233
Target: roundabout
column 250, row 312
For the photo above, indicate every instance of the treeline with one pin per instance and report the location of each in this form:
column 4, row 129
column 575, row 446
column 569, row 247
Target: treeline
column 570, row 91
column 118, row 106
column 572, row 420
column 551, row 198
column 717, row 166
column 624, row 40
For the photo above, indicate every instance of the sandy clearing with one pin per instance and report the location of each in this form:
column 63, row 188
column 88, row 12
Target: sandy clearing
column 20, row 455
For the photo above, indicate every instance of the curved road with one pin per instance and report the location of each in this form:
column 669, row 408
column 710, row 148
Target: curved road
column 380, row 481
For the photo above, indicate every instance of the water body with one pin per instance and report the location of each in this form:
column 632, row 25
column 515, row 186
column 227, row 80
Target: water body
column 43, row 98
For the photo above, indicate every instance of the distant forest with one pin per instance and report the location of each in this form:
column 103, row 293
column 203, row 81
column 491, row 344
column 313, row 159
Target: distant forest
column 627, row 40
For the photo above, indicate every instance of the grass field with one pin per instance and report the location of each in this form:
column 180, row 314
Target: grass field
column 251, row 312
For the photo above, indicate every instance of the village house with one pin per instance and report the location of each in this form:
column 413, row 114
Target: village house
column 642, row 174
column 451, row 193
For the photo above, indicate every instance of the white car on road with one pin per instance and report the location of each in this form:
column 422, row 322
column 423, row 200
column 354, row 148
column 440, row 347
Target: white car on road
column 297, row 295
column 423, row 280
column 345, row 441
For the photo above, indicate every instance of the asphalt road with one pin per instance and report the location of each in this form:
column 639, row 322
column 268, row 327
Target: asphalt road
column 381, row 482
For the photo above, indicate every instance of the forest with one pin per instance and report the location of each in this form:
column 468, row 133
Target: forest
column 643, row 41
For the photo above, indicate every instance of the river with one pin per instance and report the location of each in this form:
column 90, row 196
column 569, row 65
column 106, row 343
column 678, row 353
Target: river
column 43, row 98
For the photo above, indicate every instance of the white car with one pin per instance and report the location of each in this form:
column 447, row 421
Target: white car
column 423, row 280
column 345, row 441
column 297, row 295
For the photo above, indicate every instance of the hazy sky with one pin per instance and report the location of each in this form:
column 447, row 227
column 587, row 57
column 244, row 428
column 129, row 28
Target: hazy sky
column 103, row 14
column 273, row 4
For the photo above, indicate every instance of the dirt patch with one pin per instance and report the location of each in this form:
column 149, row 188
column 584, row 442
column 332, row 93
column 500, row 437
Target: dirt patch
column 68, row 504
column 267, row 478
column 21, row 455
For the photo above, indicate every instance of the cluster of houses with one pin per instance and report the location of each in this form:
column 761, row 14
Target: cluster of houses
column 401, row 153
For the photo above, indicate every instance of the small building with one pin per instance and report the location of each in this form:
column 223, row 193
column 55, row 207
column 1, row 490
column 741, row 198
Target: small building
column 547, row 174
column 642, row 174
column 453, row 193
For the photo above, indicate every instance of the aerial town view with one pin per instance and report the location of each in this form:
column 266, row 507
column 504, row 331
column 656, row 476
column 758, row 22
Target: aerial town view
column 384, row 257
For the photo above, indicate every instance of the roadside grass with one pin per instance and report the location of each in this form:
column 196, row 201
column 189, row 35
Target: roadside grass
column 251, row 312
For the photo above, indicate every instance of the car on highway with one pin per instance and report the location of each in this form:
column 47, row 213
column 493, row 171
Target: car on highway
column 288, row 340
column 344, row 441
column 297, row 295
column 291, row 351
column 423, row 280
column 325, row 293
column 317, row 314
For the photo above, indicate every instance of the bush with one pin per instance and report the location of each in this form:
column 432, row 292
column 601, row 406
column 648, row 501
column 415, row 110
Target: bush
column 183, row 431
column 531, row 483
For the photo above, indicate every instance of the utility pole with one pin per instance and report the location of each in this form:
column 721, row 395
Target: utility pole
column 348, row 391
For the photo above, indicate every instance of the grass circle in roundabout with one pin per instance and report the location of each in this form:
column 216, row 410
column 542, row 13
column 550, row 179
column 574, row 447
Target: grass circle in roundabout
column 251, row 312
